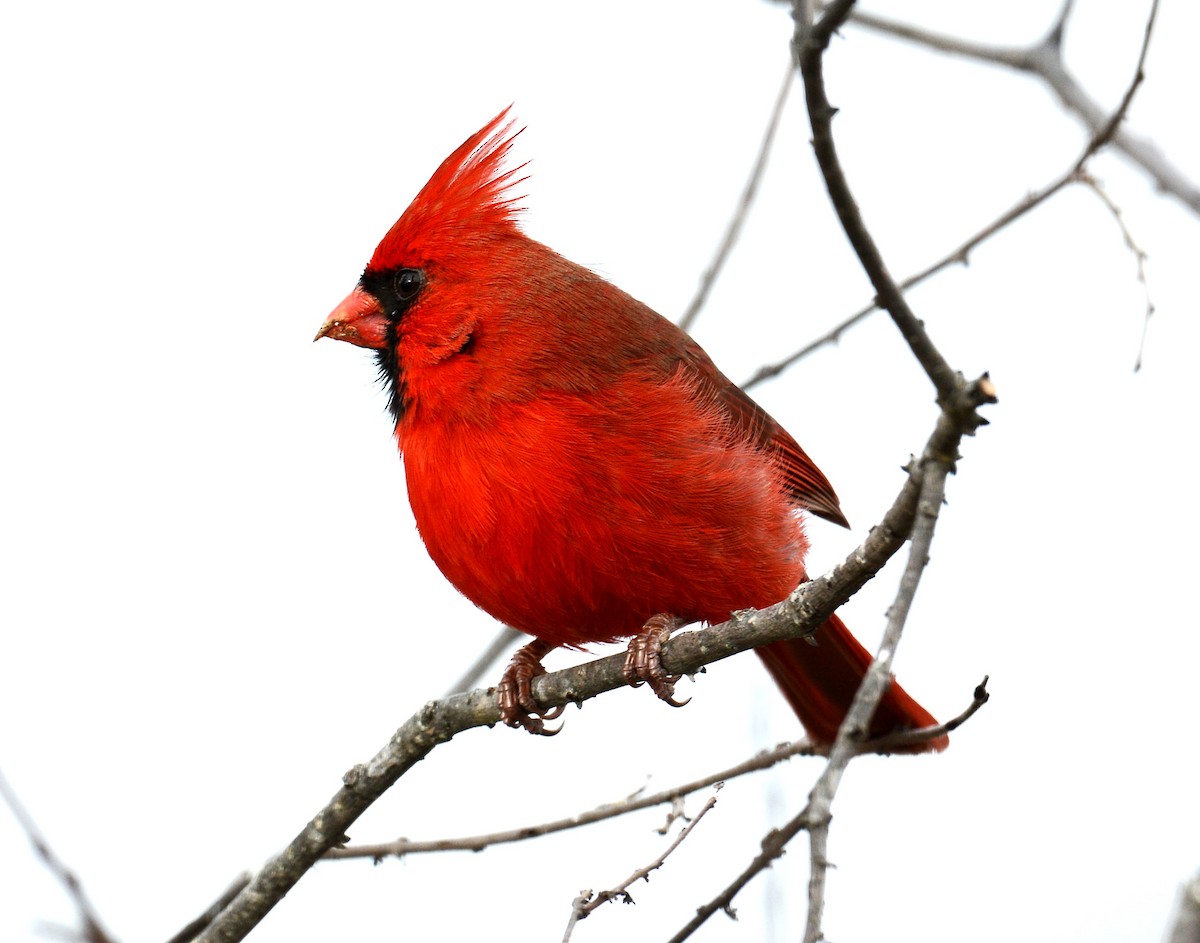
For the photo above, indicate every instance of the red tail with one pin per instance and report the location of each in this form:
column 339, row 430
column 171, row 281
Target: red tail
column 819, row 682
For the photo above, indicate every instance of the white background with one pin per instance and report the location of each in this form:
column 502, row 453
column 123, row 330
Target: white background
column 214, row 599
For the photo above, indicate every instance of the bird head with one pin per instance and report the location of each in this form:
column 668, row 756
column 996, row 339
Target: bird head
column 411, row 292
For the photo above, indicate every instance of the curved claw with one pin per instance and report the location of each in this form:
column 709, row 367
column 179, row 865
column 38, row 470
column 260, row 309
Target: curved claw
column 554, row 713
column 670, row 701
column 514, row 695
column 534, row 721
column 643, row 659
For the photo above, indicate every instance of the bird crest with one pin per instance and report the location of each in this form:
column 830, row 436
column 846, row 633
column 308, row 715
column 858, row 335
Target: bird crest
column 468, row 195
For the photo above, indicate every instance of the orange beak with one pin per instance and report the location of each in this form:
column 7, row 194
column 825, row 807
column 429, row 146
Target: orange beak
column 358, row 320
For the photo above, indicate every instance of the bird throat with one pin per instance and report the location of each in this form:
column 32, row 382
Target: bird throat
column 391, row 374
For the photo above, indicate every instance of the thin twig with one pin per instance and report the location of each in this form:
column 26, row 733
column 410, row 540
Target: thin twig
column 773, row 846
column 210, row 913
column 1139, row 255
column 959, row 255
column 775, row 842
column 91, row 931
column 504, row 639
column 587, row 902
column 760, row 761
column 1044, row 59
column 902, row 739
column 764, row 759
column 1076, row 173
column 743, row 210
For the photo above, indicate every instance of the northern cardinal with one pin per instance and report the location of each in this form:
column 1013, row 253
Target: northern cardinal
column 577, row 466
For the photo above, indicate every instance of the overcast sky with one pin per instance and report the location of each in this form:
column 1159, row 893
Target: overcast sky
column 214, row 598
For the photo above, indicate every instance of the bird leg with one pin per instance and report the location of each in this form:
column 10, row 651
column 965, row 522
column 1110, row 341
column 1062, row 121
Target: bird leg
column 517, row 706
column 643, row 659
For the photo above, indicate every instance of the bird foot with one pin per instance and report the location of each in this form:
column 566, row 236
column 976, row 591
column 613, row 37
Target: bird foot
column 643, row 659
column 515, row 697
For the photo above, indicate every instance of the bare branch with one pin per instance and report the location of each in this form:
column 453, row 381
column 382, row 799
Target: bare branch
column 901, row 739
column 1139, row 255
column 815, row 816
column 773, row 846
column 957, row 256
column 91, row 931
column 587, row 902
column 1185, row 927
column 810, row 45
column 1044, row 59
column 501, row 642
column 743, row 210
column 870, row 692
column 764, row 759
column 809, row 51
column 775, row 842
column 760, row 761
column 935, row 460
column 1059, row 27
column 213, row 910
column 1076, row 173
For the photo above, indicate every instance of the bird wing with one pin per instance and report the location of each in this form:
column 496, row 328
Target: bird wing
column 806, row 483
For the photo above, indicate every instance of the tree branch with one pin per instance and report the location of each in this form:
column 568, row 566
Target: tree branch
column 1044, row 59
column 586, row 902
column 1185, row 925
column 92, row 930
column 764, row 759
column 760, row 761
column 931, row 473
column 1139, row 256
column 1076, row 173
column 213, row 910
column 870, row 692
column 504, row 639
column 810, row 43
column 743, row 210
column 809, row 46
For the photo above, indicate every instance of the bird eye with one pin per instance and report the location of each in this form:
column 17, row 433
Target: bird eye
column 408, row 283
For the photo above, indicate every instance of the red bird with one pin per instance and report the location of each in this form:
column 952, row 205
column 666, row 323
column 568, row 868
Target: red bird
column 577, row 466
